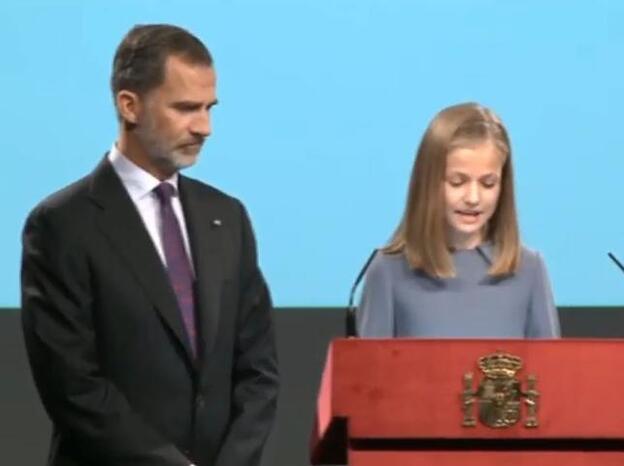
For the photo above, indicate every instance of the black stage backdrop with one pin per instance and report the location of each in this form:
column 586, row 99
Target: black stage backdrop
column 302, row 336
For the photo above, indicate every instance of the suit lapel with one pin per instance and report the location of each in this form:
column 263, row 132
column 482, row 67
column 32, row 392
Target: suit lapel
column 121, row 223
column 203, row 220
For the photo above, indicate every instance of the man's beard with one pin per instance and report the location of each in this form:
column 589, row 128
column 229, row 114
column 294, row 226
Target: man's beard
column 169, row 159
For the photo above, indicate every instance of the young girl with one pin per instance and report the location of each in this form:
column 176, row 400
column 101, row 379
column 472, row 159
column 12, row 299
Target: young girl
column 455, row 266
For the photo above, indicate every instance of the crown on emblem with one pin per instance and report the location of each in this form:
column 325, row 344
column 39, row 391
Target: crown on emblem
column 500, row 365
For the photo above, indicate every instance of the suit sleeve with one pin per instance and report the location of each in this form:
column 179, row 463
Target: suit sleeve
column 375, row 314
column 255, row 374
column 543, row 320
column 61, row 341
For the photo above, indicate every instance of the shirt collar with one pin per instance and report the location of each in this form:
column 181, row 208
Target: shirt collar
column 138, row 182
column 486, row 250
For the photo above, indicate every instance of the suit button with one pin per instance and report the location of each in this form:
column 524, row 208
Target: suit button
column 200, row 401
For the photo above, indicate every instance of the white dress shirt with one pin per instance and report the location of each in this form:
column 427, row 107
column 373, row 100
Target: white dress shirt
column 140, row 186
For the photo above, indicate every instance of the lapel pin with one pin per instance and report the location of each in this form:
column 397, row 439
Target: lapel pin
column 216, row 222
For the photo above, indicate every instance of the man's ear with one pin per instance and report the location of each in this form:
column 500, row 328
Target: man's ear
column 129, row 106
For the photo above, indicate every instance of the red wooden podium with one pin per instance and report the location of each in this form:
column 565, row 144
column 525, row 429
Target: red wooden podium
column 399, row 402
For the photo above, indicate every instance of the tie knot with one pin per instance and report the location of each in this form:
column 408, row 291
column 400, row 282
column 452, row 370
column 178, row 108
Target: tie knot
column 165, row 192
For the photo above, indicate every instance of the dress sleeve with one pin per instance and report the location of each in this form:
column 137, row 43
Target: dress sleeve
column 375, row 315
column 543, row 320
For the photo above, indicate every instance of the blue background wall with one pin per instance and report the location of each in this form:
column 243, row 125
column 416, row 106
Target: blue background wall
column 322, row 105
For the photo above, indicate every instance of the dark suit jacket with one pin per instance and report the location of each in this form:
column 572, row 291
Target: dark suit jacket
column 107, row 345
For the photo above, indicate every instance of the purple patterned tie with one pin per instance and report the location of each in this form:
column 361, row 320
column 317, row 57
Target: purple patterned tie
column 178, row 266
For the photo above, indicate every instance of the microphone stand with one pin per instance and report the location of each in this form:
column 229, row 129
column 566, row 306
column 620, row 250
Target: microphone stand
column 616, row 261
column 350, row 330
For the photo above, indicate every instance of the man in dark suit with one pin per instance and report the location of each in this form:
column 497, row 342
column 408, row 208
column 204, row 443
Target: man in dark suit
column 146, row 318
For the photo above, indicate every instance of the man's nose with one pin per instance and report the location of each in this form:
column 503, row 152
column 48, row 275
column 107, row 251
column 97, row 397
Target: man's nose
column 201, row 125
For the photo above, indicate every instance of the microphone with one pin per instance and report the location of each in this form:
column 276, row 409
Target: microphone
column 616, row 261
column 350, row 322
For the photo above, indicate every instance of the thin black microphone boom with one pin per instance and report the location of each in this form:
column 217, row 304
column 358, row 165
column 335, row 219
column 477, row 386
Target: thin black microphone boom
column 616, row 261
column 350, row 323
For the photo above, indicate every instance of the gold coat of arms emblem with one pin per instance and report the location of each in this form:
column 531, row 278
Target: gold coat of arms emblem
column 499, row 397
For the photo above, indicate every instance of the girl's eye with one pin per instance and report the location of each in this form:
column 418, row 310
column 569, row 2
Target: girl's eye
column 455, row 182
column 489, row 183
